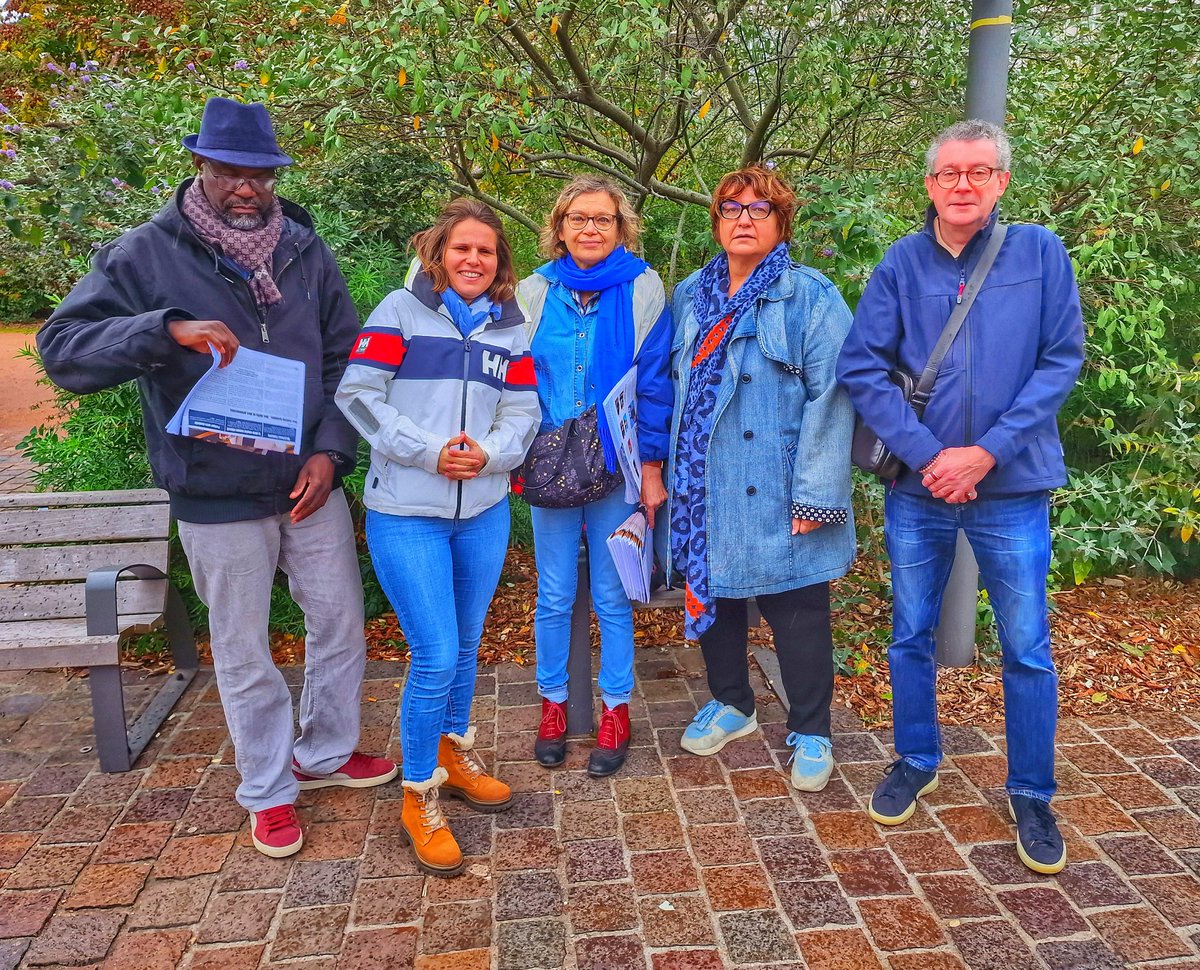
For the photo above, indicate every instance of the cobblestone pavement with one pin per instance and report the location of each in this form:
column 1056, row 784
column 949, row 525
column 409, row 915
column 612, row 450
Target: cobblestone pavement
column 16, row 471
column 677, row 862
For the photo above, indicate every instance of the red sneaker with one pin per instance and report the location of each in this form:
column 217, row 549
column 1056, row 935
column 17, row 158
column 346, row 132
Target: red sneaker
column 276, row 831
column 359, row 771
column 550, row 748
column 612, row 741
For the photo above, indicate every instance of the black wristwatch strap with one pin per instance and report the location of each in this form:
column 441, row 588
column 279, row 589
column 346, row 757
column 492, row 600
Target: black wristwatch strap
column 339, row 460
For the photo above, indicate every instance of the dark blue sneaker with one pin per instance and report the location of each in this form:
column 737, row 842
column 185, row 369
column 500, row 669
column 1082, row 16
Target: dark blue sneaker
column 1039, row 843
column 895, row 798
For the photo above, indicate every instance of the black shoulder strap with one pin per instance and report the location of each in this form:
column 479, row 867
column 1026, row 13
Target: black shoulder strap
column 954, row 324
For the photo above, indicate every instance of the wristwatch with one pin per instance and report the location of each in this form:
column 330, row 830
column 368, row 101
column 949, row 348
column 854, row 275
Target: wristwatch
column 339, row 460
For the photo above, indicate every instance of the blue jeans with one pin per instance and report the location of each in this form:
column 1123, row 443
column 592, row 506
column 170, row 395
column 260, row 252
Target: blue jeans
column 556, row 535
column 1010, row 536
column 439, row 575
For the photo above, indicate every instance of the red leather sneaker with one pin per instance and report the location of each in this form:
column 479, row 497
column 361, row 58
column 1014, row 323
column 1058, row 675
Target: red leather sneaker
column 612, row 741
column 276, row 831
column 359, row 771
column 550, row 748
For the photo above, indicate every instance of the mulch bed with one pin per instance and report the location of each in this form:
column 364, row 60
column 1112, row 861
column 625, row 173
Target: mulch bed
column 1122, row 645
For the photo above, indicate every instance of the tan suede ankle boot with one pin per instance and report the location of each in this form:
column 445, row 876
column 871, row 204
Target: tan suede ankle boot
column 466, row 777
column 434, row 844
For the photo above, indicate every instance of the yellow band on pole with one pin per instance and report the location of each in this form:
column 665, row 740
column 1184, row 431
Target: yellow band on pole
column 991, row 22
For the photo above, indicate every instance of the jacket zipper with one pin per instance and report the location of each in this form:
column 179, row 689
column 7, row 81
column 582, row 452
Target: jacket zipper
column 462, row 420
column 966, row 330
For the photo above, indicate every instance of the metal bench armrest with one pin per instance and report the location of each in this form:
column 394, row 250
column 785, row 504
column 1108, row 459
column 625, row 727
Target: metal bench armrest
column 100, row 595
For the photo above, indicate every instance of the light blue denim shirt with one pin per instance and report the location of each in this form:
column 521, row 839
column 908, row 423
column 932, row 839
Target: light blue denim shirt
column 780, row 441
column 560, row 358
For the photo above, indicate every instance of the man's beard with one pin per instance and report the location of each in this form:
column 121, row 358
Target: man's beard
column 256, row 221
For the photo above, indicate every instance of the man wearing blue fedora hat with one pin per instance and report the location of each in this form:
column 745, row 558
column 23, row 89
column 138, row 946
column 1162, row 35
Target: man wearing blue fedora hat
column 227, row 264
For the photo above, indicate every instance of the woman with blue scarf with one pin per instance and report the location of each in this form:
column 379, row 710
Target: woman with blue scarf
column 440, row 383
column 595, row 310
column 760, row 468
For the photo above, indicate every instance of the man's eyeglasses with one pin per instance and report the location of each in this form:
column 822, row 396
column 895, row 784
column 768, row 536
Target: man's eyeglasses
column 231, row 183
column 732, row 210
column 603, row 222
column 949, row 178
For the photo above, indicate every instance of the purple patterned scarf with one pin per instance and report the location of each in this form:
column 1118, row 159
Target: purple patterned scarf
column 251, row 249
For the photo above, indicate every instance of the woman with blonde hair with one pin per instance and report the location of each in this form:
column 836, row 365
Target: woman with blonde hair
column 440, row 383
column 596, row 309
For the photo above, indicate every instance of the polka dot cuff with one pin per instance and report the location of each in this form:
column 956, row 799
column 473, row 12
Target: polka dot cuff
column 815, row 514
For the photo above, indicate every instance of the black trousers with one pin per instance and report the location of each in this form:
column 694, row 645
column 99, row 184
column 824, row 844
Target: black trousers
column 799, row 619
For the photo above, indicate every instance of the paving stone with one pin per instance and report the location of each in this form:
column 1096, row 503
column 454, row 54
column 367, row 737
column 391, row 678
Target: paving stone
column 50, row 865
column 134, row 843
column 309, row 932
column 717, row 845
column 836, row 796
column 588, row 820
column 708, row 805
column 107, row 885
column 1001, row 866
column 653, row 830
column 1176, row 897
column 738, row 888
column 390, row 901
column 900, row 924
column 1138, row 855
column 24, row 913
column 13, row 847
column 792, row 857
column 173, row 902
column 991, row 945
column 474, row 882
column 749, row 752
column 837, row 950
column 596, row 861
column 176, row 773
column 54, row 779
column 393, row 948
column 811, row 904
column 193, row 856
column 532, row 945
column 773, row 816
column 1171, row 772
column 1176, row 828
column 757, row 937
column 869, row 872
column 334, row 840
column 148, row 950
column 643, row 795
column 474, row 834
column 579, row 786
column 522, row 895
column 11, row 952
column 970, row 824
column 608, row 952
column 238, row 917
column 206, row 816
column 160, row 805
column 30, row 814
column 457, row 926
column 247, row 868
column 925, row 852
column 1138, row 934
column 1043, row 912
column 758, row 783
column 527, row 812
column 662, row 873
column 321, row 883
column 925, row 960
column 693, row 771
column 984, row 770
column 74, row 938
column 602, row 908
column 1092, row 884
column 103, row 789
column 1096, row 759
column 846, row 830
column 685, row 923
column 1133, row 791
column 687, row 960
column 953, row 789
column 1079, row 955
column 81, row 824
column 462, row 960
column 956, row 896
column 527, row 849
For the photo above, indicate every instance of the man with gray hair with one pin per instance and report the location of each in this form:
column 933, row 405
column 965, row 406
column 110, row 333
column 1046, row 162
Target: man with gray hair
column 982, row 457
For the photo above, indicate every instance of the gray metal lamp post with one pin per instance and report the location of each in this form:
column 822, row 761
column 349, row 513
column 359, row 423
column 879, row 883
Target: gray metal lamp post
column 987, row 91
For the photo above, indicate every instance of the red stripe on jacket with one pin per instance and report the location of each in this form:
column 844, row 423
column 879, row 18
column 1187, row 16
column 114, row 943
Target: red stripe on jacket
column 380, row 348
column 520, row 374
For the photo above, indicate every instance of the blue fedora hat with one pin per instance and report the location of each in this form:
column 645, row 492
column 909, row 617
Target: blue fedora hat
column 237, row 134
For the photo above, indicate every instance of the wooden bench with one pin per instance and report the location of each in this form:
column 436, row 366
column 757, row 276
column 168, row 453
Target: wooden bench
column 79, row 573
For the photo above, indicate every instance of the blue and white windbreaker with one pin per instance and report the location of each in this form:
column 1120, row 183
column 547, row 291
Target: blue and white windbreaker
column 414, row 382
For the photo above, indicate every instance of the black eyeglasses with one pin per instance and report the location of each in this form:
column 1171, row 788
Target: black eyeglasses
column 604, row 221
column 732, row 210
column 231, row 183
column 949, row 178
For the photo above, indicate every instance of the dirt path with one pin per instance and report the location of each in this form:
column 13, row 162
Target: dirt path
column 23, row 402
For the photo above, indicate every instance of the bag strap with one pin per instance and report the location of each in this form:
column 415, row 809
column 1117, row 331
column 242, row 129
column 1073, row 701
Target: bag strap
column 924, row 387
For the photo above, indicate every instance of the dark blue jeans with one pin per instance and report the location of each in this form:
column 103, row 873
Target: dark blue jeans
column 1011, row 539
column 440, row 575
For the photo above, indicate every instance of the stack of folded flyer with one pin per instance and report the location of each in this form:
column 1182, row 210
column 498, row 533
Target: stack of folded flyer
column 632, row 549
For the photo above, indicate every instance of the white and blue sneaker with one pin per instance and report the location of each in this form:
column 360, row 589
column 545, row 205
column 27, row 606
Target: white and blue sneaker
column 811, row 761
column 714, row 726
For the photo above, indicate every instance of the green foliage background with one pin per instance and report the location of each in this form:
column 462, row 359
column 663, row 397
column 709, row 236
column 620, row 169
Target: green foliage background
column 391, row 108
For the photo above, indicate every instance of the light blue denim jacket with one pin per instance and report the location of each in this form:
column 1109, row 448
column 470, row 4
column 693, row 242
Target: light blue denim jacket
column 780, row 441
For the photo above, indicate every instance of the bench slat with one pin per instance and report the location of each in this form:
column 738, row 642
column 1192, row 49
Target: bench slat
column 67, row 601
column 38, row 644
column 68, row 630
column 39, row 500
column 40, row 564
column 31, row 526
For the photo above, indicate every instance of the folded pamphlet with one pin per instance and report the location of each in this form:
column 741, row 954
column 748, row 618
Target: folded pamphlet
column 632, row 549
